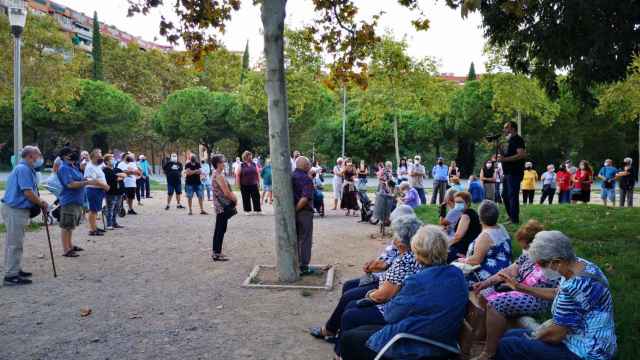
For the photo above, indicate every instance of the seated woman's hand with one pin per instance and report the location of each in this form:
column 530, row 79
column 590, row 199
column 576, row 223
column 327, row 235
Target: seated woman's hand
column 508, row 280
column 479, row 286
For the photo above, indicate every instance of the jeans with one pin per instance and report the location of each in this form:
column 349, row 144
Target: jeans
column 113, row 208
column 515, row 345
column 250, row 194
column 218, row 234
column 353, row 343
column 355, row 317
column 548, row 193
column 498, row 198
column 139, row 188
column 143, row 187
column 510, row 194
column 15, row 220
column 207, row 187
column 626, row 194
column 350, row 291
column 422, row 195
column 527, row 196
column 564, row 197
column 439, row 189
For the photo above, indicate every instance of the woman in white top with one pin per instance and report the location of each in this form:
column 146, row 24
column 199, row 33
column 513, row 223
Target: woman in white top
column 337, row 183
column 95, row 193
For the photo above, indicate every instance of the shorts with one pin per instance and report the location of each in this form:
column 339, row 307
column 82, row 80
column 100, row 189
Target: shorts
column 95, row 197
column 130, row 192
column 608, row 194
column 191, row 189
column 70, row 216
column 174, row 187
column 266, row 188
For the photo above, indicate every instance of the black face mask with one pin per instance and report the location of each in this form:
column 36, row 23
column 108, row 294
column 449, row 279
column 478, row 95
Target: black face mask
column 440, row 162
column 129, row 159
column 74, row 156
column 100, row 161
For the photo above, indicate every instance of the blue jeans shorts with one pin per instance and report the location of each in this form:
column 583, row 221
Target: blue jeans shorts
column 608, row 194
column 95, row 197
column 174, row 187
column 197, row 189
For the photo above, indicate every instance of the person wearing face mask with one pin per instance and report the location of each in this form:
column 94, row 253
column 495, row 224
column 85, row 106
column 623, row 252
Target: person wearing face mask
column 440, row 174
column 95, row 193
column 114, row 177
column 563, row 182
column 466, row 229
column 582, row 325
column 173, row 172
column 582, row 180
column 627, row 178
column 417, row 176
column 21, row 195
column 548, row 179
column 129, row 167
column 498, row 304
column 528, row 184
column 513, row 168
column 193, row 184
column 410, row 197
column 607, row 175
column 488, row 178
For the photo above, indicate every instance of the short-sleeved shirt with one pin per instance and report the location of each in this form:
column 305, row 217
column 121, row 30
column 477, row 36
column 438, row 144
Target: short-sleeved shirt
column 549, row 178
column 194, row 179
column 583, row 178
column 94, row 172
column 476, row 191
column 402, row 267
column 412, row 198
column 514, row 167
column 417, row 181
column 563, row 179
column 584, row 305
column 205, row 177
column 440, row 173
column 266, row 175
column 302, row 187
column 22, row 178
column 627, row 182
column 173, row 171
column 130, row 180
column 68, row 173
column 609, row 173
column 529, row 180
column 115, row 185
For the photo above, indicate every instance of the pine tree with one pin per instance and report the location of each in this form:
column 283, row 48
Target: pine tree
column 245, row 62
column 472, row 73
column 96, row 52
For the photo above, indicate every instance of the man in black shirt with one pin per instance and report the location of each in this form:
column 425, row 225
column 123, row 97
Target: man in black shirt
column 193, row 183
column 114, row 177
column 513, row 160
column 627, row 178
column 173, row 171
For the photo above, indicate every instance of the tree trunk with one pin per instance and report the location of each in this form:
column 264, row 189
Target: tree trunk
column 466, row 157
column 273, row 14
column 395, row 139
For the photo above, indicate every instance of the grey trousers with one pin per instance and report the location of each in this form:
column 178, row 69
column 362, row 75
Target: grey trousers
column 626, row 195
column 439, row 190
column 304, row 229
column 15, row 221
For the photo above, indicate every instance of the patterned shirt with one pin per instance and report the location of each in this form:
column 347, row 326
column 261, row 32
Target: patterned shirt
column 584, row 305
column 498, row 256
column 403, row 266
column 302, row 187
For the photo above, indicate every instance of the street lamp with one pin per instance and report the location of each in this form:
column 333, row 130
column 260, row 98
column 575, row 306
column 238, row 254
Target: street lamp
column 17, row 12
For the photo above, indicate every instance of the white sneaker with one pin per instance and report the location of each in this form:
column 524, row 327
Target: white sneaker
column 109, row 227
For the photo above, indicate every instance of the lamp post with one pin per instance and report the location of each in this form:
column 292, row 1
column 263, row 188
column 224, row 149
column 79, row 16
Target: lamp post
column 17, row 12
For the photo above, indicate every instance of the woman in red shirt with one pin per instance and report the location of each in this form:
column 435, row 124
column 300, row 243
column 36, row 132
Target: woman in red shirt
column 582, row 180
column 563, row 181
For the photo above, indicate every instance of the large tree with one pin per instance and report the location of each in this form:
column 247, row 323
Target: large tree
column 96, row 50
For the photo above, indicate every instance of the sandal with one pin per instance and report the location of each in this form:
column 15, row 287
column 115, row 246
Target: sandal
column 202, row 212
column 95, row 233
column 77, row 248
column 70, row 253
column 321, row 333
column 219, row 257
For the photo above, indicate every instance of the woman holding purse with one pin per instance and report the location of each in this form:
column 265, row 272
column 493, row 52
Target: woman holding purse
column 224, row 202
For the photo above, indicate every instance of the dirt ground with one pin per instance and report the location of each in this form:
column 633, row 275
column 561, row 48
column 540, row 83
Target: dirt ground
column 154, row 293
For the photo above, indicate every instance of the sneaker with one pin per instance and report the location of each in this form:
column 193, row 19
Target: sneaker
column 109, row 227
column 24, row 274
column 167, row 207
column 180, row 207
column 16, row 280
column 117, row 226
column 131, row 212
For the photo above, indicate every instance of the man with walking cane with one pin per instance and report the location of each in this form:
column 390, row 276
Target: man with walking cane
column 21, row 201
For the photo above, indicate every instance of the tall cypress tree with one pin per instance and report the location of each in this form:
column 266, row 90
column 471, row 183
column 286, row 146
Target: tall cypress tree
column 245, row 62
column 472, row 73
column 96, row 52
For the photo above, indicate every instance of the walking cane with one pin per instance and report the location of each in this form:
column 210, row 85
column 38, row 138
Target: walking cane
column 45, row 215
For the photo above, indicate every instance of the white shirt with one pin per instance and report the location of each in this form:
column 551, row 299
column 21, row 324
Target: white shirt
column 236, row 166
column 417, row 181
column 130, row 180
column 94, row 172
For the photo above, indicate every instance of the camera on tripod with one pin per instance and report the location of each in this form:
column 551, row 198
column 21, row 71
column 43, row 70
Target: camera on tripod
column 494, row 137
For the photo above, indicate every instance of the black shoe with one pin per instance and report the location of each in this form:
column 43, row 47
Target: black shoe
column 131, row 212
column 180, row 207
column 24, row 274
column 95, row 233
column 101, row 230
column 167, row 207
column 16, row 280
column 116, row 226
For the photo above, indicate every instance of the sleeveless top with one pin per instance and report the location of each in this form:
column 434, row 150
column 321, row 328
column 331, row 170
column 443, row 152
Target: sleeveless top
column 474, row 229
column 488, row 173
column 218, row 194
column 248, row 174
column 499, row 255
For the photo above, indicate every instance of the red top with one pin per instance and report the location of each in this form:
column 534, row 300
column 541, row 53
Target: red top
column 563, row 179
column 583, row 180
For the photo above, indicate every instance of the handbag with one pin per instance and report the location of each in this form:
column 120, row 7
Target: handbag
column 34, row 211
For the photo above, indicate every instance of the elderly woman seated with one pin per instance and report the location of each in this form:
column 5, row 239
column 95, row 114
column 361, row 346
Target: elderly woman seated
column 582, row 324
column 374, row 270
column 500, row 302
column 409, row 196
column 449, row 214
column 466, row 229
column 430, row 304
column 492, row 248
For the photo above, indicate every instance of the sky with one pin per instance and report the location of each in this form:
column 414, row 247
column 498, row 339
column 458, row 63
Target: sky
column 453, row 41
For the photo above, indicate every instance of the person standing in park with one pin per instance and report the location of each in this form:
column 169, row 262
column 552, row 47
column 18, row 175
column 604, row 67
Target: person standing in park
column 294, row 156
column 338, row 181
column 21, row 195
column 607, row 175
column 249, row 179
column 499, row 179
column 488, row 178
column 454, row 171
column 71, row 198
column 205, row 177
column 403, row 171
column 528, row 184
column 224, row 203
column 627, row 178
column 193, row 184
column 267, row 183
column 303, row 201
column 143, row 183
column 417, row 176
column 582, row 181
column 114, row 178
column 513, row 167
column 95, row 193
column 129, row 167
column 548, row 179
column 440, row 174
column 563, row 182
column 173, row 172
column 570, row 168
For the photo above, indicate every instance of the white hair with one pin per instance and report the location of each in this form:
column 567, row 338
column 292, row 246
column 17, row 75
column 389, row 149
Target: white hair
column 551, row 245
column 402, row 210
column 628, row 160
column 430, row 245
column 404, row 186
column 404, row 227
column 29, row 150
column 488, row 213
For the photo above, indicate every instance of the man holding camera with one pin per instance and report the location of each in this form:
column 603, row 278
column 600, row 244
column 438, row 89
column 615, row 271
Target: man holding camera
column 513, row 168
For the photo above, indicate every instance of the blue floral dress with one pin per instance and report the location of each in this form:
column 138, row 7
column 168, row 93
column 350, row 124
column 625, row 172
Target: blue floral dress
column 497, row 258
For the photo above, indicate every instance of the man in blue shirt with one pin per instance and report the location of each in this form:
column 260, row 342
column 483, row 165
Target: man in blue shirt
column 476, row 190
column 440, row 174
column 303, row 200
column 143, row 183
column 20, row 196
column 608, row 185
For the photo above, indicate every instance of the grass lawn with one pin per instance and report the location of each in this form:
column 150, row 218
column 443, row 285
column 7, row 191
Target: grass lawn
column 608, row 237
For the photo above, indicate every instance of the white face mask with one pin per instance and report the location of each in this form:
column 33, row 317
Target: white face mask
column 458, row 206
column 174, row 158
column 551, row 274
column 489, row 165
